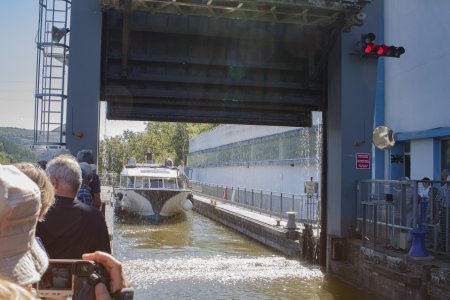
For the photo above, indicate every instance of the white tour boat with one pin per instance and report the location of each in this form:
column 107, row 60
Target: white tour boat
column 151, row 190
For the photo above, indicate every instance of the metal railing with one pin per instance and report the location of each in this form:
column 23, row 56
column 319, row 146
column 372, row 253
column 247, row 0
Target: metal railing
column 306, row 207
column 387, row 210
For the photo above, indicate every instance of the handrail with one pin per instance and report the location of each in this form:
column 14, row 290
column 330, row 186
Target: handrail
column 307, row 207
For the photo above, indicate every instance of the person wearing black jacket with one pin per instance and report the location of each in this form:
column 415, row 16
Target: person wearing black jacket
column 71, row 227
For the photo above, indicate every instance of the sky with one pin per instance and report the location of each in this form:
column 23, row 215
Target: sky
column 18, row 27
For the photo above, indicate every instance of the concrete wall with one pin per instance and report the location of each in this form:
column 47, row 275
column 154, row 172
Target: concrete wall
column 227, row 134
column 284, row 178
column 277, row 175
column 233, row 133
column 389, row 275
column 417, row 85
column 422, row 158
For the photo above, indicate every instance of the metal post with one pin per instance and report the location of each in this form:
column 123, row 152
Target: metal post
column 232, row 193
column 363, row 222
column 308, row 204
column 293, row 208
column 446, row 225
column 281, row 206
column 414, row 204
column 260, row 202
column 291, row 220
column 252, row 200
column 302, row 205
column 270, row 205
column 386, row 226
column 374, row 224
column 245, row 196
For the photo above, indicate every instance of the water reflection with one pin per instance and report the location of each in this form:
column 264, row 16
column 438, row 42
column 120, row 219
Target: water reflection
column 197, row 258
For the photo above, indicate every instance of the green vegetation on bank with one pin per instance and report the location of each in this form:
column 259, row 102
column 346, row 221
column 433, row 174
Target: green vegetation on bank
column 11, row 153
column 164, row 140
column 18, row 136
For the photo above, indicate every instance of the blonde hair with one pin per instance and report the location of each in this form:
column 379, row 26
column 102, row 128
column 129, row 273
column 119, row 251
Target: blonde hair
column 38, row 175
column 12, row 291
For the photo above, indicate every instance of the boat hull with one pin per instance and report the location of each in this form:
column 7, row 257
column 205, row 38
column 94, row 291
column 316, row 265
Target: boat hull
column 154, row 203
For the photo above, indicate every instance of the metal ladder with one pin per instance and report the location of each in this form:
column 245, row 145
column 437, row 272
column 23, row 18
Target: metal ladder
column 52, row 41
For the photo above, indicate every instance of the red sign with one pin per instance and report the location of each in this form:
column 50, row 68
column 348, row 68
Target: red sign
column 362, row 160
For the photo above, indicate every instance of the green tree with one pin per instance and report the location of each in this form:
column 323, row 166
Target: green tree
column 164, row 140
column 11, row 153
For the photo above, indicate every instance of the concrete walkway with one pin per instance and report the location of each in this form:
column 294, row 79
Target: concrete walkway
column 269, row 220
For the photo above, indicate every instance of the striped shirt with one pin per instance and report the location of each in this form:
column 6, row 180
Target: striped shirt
column 84, row 195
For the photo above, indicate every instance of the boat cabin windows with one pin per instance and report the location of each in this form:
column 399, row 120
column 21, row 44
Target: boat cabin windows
column 156, row 183
column 138, row 184
column 145, row 182
column 127, row 181
column 170, row 183
column 130, row 182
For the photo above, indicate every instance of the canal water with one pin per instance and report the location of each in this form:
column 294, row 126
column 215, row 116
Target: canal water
column 197, row 258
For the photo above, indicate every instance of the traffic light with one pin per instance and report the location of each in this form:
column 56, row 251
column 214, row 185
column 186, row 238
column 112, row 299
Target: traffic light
column 390, row 51
column 370, row 49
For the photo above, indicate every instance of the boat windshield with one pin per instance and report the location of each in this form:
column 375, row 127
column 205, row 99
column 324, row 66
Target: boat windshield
column 156, row 183
column 129, row 181
column 139, row 182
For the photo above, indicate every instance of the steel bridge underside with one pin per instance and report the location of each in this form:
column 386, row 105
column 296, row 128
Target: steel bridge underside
column 241, row 62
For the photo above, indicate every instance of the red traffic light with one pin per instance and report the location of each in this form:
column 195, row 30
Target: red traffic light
column 370, row 49
column 367, row 45
column 382, row 49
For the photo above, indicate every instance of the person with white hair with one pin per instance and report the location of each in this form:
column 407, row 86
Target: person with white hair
column 71, row 227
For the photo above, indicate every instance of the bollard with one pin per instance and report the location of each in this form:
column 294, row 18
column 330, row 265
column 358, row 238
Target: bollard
column 418, row 248
column 291, row 220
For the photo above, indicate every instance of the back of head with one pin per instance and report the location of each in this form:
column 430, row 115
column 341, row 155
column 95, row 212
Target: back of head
column 86, row 171
column 21, row 258
column 38, row 175
column 66, row 170
column 85, row 156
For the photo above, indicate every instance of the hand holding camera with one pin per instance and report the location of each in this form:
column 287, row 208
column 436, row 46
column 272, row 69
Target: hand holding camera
column 117, row 282
column 98, row 276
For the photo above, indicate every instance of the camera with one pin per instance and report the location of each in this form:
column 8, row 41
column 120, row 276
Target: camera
column 75, row 278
